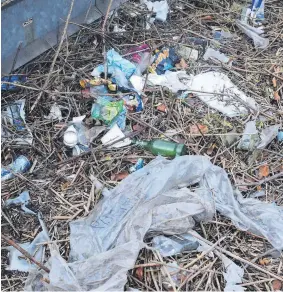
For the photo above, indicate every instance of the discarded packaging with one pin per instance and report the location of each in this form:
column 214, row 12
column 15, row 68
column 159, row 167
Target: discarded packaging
column 113, row 135
column 168, row 246
column 109, row 111
column 20, row 165
column 163, row 147
column 254, row 33
column 267, row 135
column 216, row 55
column 71, row 137
column 161, row 8
column 250, row 137
column 137, row 166
column 220, row 34
column 22, row 200
column 253, row 139
column 187, row 53
column 121, row 69
column 280, row 136
column 164, row 60
column 257, row 11
column 15, row 115
column 133, row 102
column 15, row 79
column 106, row 244
column 141, row 57
column 171, row 80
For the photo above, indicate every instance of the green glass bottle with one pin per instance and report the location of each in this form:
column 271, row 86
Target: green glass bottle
column 162, row 147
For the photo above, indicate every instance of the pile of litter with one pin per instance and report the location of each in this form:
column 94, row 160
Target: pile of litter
column 148, row 154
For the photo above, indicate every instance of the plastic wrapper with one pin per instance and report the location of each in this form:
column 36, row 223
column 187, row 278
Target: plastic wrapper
column 257, row 10
column 115, row 134
column 15, row 79
column 120, row 68
column 221, row 35
column 14, row 114
column 250, row 137
column 171, row 80
column 216, row 55
column 253, row 139
column 187, row 53
column 254, row 34
column 22, row 200
column 164, row 60
column 133, row 102
column 137, row 166
column 108, row 111
column 105, row 245
column 140, row 56
column 168, row 246
column 267, row 135
column 20, row 165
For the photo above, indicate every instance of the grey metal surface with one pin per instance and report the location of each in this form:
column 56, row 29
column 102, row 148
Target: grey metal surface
column 38, row 23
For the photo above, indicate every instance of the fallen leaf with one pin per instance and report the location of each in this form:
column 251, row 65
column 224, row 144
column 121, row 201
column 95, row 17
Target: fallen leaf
column 263, row 171
column 139, row 273
column 276, row 285
column 119, row 176
column 195, row 129
column 264, row 261
column 274, row 82
column 258, row 188
column 162, row 108
column 276, row 95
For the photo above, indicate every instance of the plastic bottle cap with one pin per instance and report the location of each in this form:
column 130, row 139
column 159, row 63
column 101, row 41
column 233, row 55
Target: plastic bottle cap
column 71, row 137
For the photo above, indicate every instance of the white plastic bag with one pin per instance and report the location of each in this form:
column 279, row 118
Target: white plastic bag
column 254, row 34
column 105, row 245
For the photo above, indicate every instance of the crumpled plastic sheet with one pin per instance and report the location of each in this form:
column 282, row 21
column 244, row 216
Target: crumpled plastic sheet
column 254, row 34
column 16, row 260
column 253, row 139
column 170, row 79
column 105, row 245
column 161, row 8
column 214, row 54
column 213, row 88
column 230, row 101
column 121, row 68
column 22, row 200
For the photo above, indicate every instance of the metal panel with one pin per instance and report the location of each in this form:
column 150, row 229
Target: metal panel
column 36, row 23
